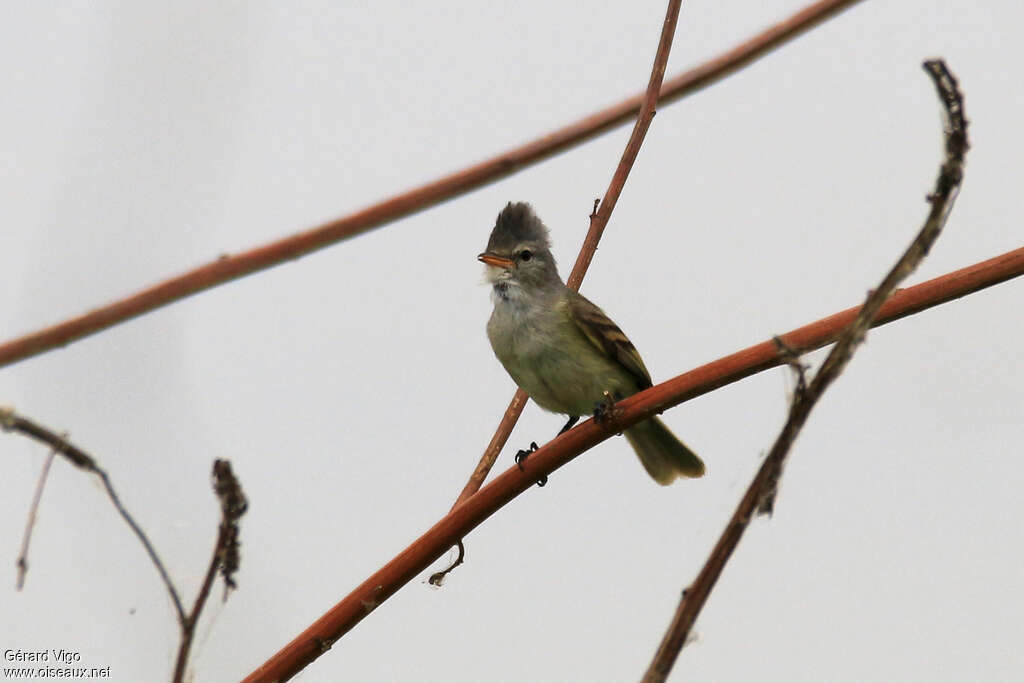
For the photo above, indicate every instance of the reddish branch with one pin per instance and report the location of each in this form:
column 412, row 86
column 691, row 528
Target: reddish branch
column 598, row 220
column 760, row 495
column 319, row 637
column 227, row 268
column 501, row 434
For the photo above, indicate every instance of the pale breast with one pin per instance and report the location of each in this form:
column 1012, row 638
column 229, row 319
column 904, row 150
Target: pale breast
column 549, row 358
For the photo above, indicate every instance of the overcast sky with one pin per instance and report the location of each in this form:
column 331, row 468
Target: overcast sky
column 354, row 389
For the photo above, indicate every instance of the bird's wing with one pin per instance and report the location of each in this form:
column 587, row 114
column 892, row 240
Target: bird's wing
column 607, row 337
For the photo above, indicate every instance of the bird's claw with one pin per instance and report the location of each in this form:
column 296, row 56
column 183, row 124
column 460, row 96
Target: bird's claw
column 521, row 457
column 603, row 408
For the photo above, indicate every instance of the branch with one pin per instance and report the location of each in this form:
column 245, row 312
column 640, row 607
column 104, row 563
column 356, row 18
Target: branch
column 228, row 267
column 225, row 554
column 598, row 220
column 501, row 434
column 12, row 422
column 233, row 505
column 760, row 496
column 321, row 635
column 30, row 524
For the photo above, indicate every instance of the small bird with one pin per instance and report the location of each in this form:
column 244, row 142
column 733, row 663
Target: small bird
column 562, row 350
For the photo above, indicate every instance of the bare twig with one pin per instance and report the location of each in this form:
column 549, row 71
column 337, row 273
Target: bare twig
column 225, row 558
column 11, row 421
column 760, row 496
column 366, row 597
column 501, row 434
column 599, row 218
column 598, row 221
column 227, row 268
column 30, row 523
column 225, row 554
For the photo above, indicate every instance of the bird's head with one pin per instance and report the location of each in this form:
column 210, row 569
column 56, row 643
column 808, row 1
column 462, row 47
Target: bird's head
column 518, row 253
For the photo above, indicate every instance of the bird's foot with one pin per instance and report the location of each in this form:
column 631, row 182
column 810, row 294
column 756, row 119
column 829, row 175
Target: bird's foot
column 604, row 408
column 573, row 419
column 521, row 457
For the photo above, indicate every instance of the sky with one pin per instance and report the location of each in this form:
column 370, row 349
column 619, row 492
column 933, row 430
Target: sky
column 354, row 389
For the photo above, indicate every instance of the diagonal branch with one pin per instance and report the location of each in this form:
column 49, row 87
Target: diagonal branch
column 598, row 220
column 30, row 524
column 321, row 635
column 255, row 259
column 12, row 422
column 760, row 495
column 225, row 553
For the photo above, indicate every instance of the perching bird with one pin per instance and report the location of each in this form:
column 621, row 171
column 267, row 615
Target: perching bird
column 562, row 350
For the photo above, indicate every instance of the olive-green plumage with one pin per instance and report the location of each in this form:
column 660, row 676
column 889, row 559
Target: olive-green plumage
column 561, row 349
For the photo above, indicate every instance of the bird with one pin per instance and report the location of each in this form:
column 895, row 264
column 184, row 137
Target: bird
column 561, row 349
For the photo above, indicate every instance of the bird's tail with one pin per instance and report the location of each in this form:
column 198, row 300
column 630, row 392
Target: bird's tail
column 663, row 455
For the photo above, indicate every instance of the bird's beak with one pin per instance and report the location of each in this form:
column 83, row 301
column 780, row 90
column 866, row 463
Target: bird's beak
column 497, row 261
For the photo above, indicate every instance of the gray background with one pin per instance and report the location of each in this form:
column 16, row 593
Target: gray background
column 354, row 389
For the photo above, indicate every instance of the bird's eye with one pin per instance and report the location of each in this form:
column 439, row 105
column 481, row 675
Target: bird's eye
column 525, row 255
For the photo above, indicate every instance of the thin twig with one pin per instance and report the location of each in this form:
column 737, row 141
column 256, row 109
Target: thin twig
column 11, row 421
column 225, row 556
column 30, row 523
column 760, row 496
column 140, row 534
column 231, row 267
column 188, row 628
column 598, row 220
column 501, row 434
column 405, row 566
